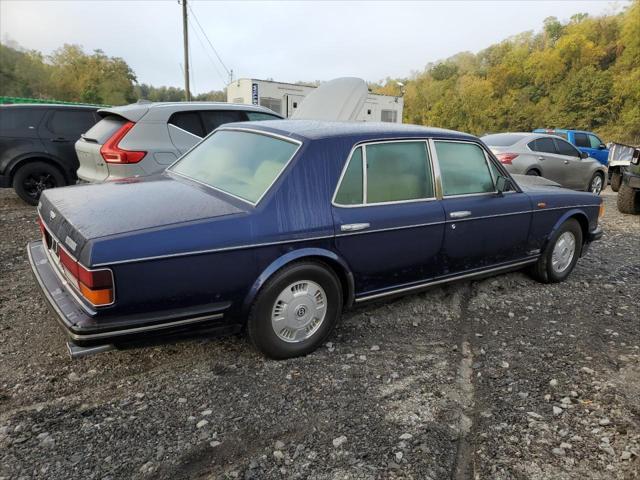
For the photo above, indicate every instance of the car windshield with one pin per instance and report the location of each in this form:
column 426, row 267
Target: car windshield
column 502, row 139
column 243, row 164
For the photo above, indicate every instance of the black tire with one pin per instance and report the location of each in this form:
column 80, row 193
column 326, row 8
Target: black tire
column 616, row 181
column 543, row 270
column 259, row 327
column 593, row 179
column 533, row 173
column 628, row 200
column 32, row 178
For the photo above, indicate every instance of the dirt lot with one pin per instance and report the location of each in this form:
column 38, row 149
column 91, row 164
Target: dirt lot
column 501, row 378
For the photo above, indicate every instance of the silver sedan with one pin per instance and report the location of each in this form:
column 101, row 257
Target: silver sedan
column 550, row 157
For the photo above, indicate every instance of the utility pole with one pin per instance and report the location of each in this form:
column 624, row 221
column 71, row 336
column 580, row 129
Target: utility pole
column 185, row 35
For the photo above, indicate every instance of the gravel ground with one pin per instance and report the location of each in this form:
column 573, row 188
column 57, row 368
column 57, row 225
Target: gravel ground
column 502, row 378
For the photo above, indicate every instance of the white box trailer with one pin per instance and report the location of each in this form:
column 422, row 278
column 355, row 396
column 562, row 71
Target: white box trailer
column 285, row 98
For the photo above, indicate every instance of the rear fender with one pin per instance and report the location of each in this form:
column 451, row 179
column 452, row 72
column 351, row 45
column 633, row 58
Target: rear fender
column 37, row 157
column 335, row 261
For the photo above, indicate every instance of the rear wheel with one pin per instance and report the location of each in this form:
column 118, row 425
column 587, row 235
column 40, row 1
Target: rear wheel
column 31, row 179
column 560, row 255
column 596, row 184
column 295, row 310
column 533, row 173
column 628, row 200
column 616, row 180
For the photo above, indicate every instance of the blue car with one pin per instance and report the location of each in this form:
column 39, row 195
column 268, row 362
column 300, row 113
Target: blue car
column 587, row 142
column 276, row 227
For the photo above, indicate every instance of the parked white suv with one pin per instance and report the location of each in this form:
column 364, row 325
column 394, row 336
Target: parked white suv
column 145, row 138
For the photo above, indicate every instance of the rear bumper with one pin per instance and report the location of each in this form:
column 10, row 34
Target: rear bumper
column 84, row 329
column 631, row 180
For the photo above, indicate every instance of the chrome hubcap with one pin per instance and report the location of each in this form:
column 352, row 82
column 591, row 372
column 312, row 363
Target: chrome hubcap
column 596, row 184
column 563, row 252
column 299, row 311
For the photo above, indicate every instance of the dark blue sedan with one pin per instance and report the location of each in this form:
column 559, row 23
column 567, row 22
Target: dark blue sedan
column 278, row 226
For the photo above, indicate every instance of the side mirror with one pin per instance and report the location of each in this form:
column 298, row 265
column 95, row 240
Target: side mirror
column 584, row 155
column 602, row 146
column 503, row 184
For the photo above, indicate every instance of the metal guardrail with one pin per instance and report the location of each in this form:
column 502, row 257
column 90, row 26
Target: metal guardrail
column 13, row 100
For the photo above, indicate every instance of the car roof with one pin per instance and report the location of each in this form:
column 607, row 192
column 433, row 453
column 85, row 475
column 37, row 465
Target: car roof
column 49, row 105
column 562, row 130
column 162, row 110
column 315, row 130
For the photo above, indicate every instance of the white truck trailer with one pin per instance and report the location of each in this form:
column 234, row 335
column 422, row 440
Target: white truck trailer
column 285, row 98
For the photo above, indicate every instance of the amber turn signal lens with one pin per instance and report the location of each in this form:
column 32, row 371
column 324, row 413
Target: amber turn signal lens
column 601, row 211
column 97, row 297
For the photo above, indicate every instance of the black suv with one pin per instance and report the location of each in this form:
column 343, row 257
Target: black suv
column 37, row 146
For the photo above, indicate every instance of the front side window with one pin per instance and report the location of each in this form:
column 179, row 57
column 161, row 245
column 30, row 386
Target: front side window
column 565, row 148
column 243, row 164
column 395, row 172
column 594, row 141
column 463, row 168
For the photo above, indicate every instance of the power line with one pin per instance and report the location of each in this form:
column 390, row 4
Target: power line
column 213, row 63
column 209, row 41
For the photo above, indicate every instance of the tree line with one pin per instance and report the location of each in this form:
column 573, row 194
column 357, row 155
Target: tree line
column 583, row 74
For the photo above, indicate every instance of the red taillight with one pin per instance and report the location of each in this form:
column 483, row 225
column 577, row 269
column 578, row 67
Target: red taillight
column 111, row 151
column 94, row 285
column 506, row 158
column 41, row 225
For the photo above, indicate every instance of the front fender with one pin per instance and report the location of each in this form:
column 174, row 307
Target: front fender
column 293, row 256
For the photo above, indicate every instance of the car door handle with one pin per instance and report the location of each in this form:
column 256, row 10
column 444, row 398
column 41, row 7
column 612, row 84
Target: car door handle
column 354, row 227
column 460, row 214
column 566, row 162
column 541, row 158
column 59, row 139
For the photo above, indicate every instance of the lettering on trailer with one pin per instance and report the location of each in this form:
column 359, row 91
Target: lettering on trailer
column 254, row 93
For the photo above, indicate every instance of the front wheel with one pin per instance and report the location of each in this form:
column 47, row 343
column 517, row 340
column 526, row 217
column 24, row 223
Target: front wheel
column 560, row 255
column 33, row 178
column 295, row 311
column 596, row 184
column 628, row 200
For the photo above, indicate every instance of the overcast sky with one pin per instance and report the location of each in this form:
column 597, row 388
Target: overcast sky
column 286, row 41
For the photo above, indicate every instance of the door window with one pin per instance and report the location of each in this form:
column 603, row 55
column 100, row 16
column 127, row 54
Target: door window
column 19, row 121
column 543, row 145
column 351, row 188
column 565, row 148
column 581, row 140
column 188, row 121
column 395, row 172
column 70, row 122
column 463, row 168
column 212, row 119
column 594, row 141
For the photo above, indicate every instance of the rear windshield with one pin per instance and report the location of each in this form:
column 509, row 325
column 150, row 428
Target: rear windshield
column 243, row 164
column 104, row 129
column 502, row 139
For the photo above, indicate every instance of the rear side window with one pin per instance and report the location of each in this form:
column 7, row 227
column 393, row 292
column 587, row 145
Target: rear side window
column 188, row 121
column 502, row 140
column 212, row 119
column 398, row 171
column 70, row 122
column 261, row 116
column 565, row 148
column 104, row 129
column 19, row 121
column 594, row 141
column 581, row 140
column 544, row 145
column 464, row 169
column 351, row 188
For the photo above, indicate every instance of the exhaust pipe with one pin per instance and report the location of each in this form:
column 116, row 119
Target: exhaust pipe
column 76, row 351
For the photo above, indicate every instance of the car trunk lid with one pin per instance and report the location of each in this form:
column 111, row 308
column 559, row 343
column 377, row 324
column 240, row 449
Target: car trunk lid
column 75, row 215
